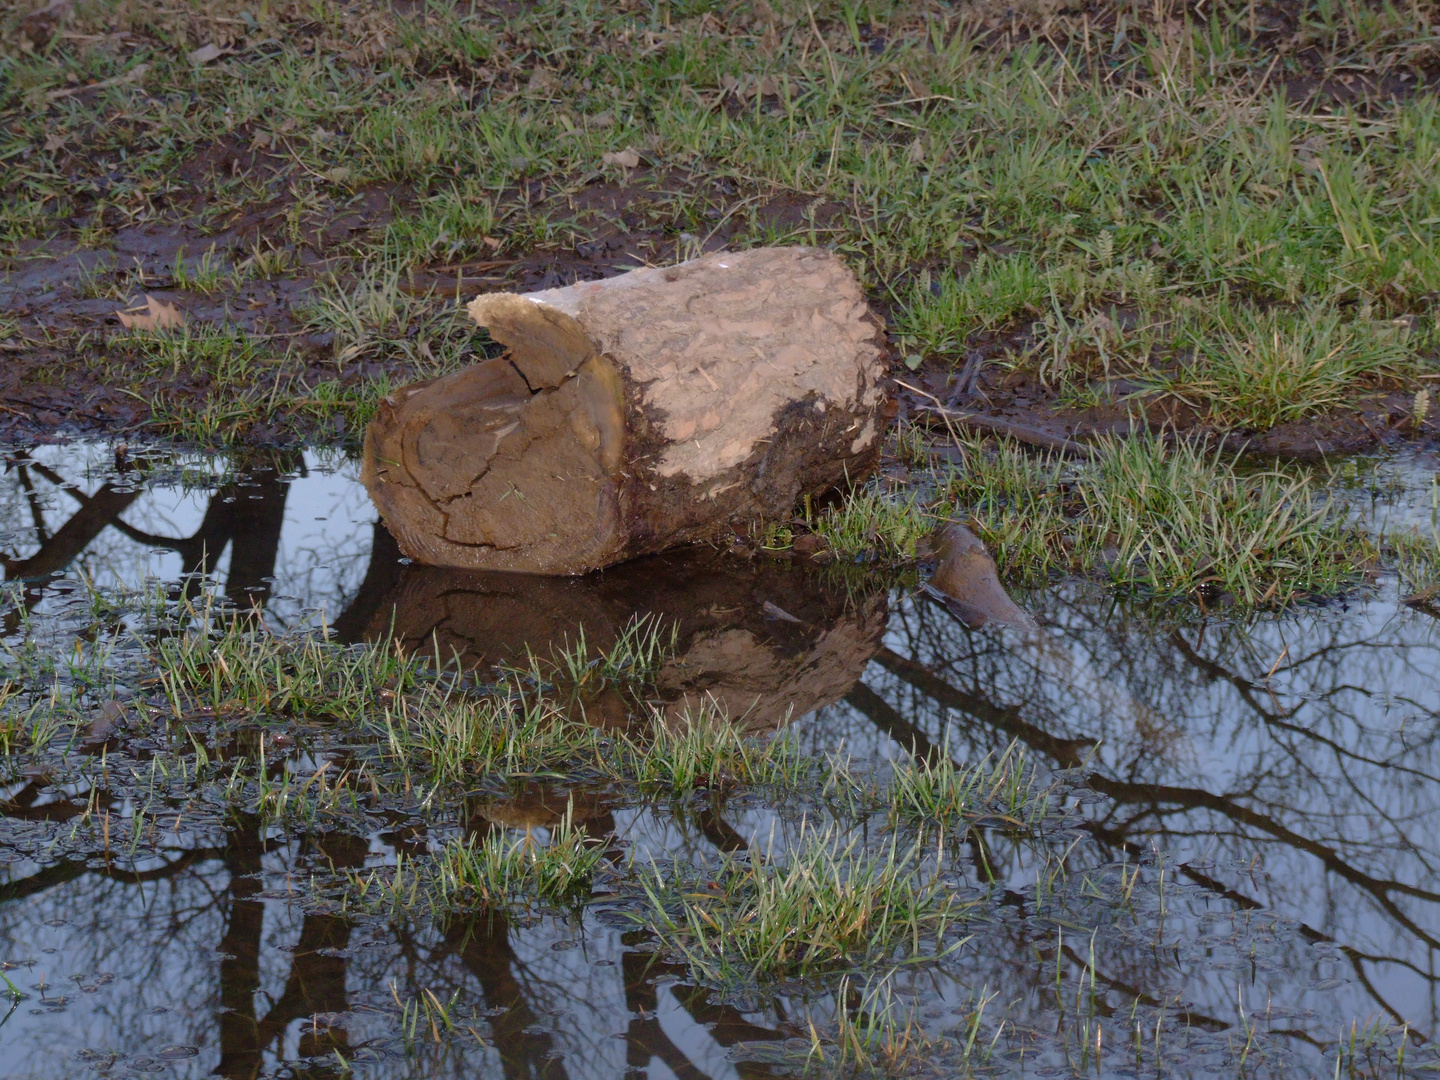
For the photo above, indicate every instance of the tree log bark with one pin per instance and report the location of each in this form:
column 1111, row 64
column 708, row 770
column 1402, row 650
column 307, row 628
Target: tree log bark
column 635, row 414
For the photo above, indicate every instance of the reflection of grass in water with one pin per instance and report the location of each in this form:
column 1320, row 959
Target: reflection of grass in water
column 826, row 903
column 1165, row 520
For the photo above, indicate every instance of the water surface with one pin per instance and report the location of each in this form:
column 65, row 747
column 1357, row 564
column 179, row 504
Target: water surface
column 1245, row 881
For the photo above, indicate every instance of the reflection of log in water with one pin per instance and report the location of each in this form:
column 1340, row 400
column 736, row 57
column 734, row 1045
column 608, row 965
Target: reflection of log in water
column 768, row 640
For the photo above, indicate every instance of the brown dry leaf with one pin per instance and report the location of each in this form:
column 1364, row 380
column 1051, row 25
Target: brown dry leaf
column 158, row 316
column 54, row 141
column 626, row 159
column 205, row 54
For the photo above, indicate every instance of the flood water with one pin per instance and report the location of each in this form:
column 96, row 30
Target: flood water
column 1245, row 882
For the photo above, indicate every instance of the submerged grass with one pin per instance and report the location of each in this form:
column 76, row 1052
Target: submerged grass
column 938, row 791
column 1163, row 519
column 503, row 870
column 829, row 902
column 874, row 1033
column 230, row 662
column 703, row 748
column 643, row 644
column 1416, row 554
column 451, row 736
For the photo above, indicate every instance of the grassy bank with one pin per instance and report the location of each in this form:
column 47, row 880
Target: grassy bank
column 1224, row 215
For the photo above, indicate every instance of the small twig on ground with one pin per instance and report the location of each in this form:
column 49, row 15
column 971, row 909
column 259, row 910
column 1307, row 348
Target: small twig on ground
column 1023, row 432
column 133, row 75
column 968, row 374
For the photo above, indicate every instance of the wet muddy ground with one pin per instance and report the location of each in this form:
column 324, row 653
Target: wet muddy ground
column 317, row 225
column 1215, row 858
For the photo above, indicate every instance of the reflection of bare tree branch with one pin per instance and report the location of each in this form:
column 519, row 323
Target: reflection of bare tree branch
column 95, row 513
column 719, row 831
column 1153, row 795
column 888, row 719
column 1068, row 753
column 1356, row 957
column 1246, row 688
column 382, row 573
column 239, row 948
column 645, row 1038
column 483, row 946
column 1191, row 798
column 32, row 498
column 1155, row 803
column 246, row 520
column 70, row 869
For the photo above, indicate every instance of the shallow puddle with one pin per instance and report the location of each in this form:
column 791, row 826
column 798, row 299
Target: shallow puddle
column 1232, row 870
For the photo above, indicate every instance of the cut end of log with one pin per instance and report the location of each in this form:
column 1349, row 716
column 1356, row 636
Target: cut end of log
column 632, row 414
column 545, row 344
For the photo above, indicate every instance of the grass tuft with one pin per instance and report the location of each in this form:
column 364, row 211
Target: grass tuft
column 504, row 870
column 829, row 902
column 454, row 737
column 1259, row 369
column 642, row 646
column 1161, row 520
column 703, row 748
column 874, row 523
column 937, row 791
column 229, row 664
column 878, row 1035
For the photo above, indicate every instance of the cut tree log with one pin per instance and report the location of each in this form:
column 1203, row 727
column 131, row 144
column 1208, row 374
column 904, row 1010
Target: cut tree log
column 634, row 414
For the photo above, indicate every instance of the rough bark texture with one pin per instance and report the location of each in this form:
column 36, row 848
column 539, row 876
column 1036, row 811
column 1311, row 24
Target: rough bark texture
column 768, row 640
column 630, row 415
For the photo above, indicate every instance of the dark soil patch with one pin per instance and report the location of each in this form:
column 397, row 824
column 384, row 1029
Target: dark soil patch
column 1380, row 418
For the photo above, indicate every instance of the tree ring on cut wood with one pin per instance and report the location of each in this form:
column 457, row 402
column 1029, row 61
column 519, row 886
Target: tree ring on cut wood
column 630, row 415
